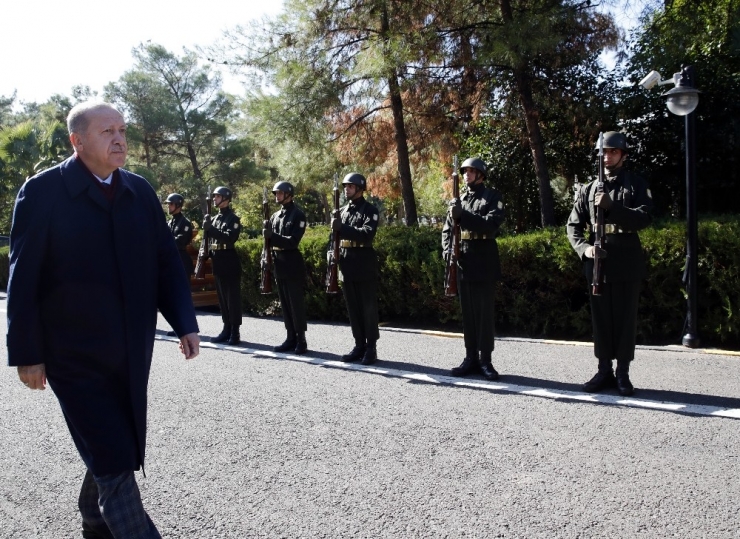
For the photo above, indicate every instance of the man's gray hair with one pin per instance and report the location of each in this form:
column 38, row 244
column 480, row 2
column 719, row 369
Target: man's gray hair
column 77, row 121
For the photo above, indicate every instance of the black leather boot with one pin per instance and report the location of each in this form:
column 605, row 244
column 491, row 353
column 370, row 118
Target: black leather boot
column 603, row 379
column 624, row 386
column 288, row 344
column 371, row 354
column 224, row 335
column 301, row 346
column 489, row 373
column 356, row 353
column 234, row 337
column 469, row 364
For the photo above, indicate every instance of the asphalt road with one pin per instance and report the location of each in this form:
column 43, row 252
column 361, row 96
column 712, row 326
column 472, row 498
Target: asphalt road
column 247, row 443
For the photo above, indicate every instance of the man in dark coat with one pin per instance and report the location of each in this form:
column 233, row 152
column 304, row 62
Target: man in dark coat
column 627, row 203
column 182, row 230
column 91, row 261
column 284, row 232
column 480, row 212
column 223, row 230
column 357, row 223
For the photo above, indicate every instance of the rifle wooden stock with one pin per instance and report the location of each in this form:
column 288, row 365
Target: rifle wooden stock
column 266, row 260
column 200, row 265
column 454, row 249
column 600, row 229
column 332, row 270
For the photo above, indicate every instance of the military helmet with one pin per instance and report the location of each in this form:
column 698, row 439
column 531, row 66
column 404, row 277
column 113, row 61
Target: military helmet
column 175, row 199
column 355, row 178
column 614, row 139
column 285, row 187
column 225, row 192
column 474, row 162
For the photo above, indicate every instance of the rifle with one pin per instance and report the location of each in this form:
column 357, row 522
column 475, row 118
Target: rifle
column 454, row 248
column 332, row 286
column 200, row 265
column 599, row 228
column 266, row 262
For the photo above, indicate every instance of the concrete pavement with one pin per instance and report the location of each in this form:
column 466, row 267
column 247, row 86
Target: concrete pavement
column 244, row 442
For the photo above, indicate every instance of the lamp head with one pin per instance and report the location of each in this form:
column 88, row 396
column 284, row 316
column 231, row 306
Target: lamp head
column 683, row 99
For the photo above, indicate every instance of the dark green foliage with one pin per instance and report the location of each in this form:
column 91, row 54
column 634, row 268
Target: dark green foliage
column 4, row 266
column 543, row 291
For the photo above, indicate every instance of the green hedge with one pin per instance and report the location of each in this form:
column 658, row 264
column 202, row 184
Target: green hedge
column 542, row 292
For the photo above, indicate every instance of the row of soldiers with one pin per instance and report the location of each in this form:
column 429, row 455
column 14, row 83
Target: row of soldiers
column 479, row 213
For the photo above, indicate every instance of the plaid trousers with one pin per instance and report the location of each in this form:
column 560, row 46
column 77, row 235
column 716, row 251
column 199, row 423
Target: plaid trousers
column 111, row 508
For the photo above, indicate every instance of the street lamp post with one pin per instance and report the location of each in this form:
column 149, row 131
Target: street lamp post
column 682, row 101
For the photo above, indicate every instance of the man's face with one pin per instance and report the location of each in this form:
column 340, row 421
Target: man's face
column 281, row 197
column 172, row 208
column 103, row 146
column 352, row 191
column 471, row 175
column 612, row 157
column 217, row 200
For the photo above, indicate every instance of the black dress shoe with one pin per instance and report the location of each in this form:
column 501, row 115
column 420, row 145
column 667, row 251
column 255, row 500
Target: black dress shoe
column 288, row 344
column 171, row 334
column 601, row 380
column 468, row 366
column 370, row 356
column 624, row 386
column 234, row 338
column 223, row 336
column 356, row 353
column 489, row 373
column 301, row 348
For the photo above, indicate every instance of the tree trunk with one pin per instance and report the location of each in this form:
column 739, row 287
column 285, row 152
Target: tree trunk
column 399, row 133
column 532, row 117
column 402, row 149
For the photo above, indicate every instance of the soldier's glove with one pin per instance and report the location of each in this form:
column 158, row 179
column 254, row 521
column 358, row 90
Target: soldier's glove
column 335, row 214
column 336, row 224
column 455, row 209
column 603, row 200
column 207, row 222
column 591, row 251
column 266, row 229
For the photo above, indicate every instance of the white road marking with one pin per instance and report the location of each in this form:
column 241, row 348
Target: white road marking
column 643, row 404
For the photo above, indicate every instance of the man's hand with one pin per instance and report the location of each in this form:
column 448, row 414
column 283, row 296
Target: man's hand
column 266, row 229
column 207, row 222
column 189, row 345
column 603, row 200
column 336, row 224
column 592, row 250
column 455, row 208
column 33, row 376
column 336, row 214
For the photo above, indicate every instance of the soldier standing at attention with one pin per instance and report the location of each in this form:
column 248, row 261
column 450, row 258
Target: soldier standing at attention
column 223, row 230
column 481, row 212
column 182, row 230
column 357, row 223
column 285, row 230
column 627, row 202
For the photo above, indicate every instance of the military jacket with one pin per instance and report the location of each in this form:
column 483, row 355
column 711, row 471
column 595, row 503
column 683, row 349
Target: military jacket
column 359, row 261
column 630, row 212
column 225, row 230
column 182, row 230
column 482, row 216
column 288, row 226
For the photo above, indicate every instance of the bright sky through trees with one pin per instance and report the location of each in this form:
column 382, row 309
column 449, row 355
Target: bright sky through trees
column 50, row 46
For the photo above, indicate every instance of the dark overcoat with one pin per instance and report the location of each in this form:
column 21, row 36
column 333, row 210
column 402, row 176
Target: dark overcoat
column 87, row 275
